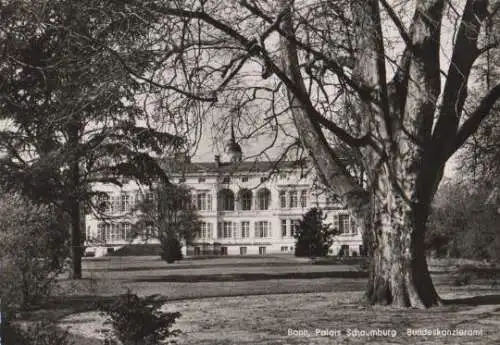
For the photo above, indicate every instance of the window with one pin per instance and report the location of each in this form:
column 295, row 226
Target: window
column 284, row 249
column 115, row 203
column 294, row 225
column 125, row 202
column 262, row 250
column 243, row 250
column 282, row 199
column 283, row 228
column 262, row 229
column 344, row 223
column 223, row 251
column 293, row 199
column 201, row 179
column 226, row 179
column 246, row 199
column 263, row 199
column 244, row 179
column 226, row 200
column 245, row 229
column 115, row 232
column 102, row 231
column 303, row 198
column 203, row 201
column 125, row 231
column 206, row 231
column 227, row 230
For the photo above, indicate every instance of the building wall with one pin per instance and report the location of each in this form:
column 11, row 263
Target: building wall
column 211, row 184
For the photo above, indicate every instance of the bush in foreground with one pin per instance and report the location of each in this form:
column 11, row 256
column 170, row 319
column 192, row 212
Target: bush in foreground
column 40, row 333
column 33, row 246
column 139, row 320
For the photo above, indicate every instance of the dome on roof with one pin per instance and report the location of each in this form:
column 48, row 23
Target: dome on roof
column 233, row 149
column 233, row 146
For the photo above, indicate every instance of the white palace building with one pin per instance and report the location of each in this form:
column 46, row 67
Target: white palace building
column 246, row 208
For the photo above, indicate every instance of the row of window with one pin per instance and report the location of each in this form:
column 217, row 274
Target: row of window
column 292, row 199
column 123, row 202
column 116, row 203
column 261, row 229
column 227, row 200
column 224, row 251
column 110, row 232
column 225, row 179
column 202, row 200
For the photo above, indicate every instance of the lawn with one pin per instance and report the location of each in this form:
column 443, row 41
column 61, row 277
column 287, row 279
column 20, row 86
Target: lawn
column 275, row 300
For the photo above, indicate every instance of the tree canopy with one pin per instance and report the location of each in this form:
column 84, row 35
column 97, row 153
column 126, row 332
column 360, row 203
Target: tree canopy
column 69, row 105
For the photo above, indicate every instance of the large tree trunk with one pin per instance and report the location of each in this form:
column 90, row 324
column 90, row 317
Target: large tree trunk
column 399, row 274
column 395, row 214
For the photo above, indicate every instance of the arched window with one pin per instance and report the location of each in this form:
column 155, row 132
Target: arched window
column 263, row 199
column 226, row 200
column 245, row 199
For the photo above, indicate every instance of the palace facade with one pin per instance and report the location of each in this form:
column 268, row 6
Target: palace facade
column 246, row 208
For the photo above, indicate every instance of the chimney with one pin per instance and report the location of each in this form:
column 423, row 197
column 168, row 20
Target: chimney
column 217, row 160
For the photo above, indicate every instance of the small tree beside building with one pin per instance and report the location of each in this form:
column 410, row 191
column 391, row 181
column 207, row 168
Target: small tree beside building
column 172, row 217
column 313, row 236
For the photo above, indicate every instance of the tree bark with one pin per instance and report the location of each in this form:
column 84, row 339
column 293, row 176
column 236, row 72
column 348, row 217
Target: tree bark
column 399, row 274
column 76, row 241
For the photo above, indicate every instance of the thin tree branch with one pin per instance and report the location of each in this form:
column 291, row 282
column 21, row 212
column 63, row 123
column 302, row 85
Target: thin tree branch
column 399, row 24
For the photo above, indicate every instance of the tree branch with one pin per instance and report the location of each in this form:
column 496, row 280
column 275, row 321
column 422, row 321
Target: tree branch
column 473, row 122
column 397, row 21
column 455, row 90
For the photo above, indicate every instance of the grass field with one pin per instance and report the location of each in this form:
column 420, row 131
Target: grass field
column 275, row 300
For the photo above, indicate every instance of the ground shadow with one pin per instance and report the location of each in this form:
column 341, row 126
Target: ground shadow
column 56, row 307
column 474, row 301
column 195, row 267
column 249, row 277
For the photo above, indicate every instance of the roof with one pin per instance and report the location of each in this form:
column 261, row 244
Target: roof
column 178, row 167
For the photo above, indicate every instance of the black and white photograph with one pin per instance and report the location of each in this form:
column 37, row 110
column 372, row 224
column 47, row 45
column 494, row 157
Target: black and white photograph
column 256, row 172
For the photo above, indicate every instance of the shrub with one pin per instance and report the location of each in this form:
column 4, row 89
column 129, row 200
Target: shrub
column 139, row 321
column 40, row 333
column 33, row 246
column 171, row 249
column 314, row 238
